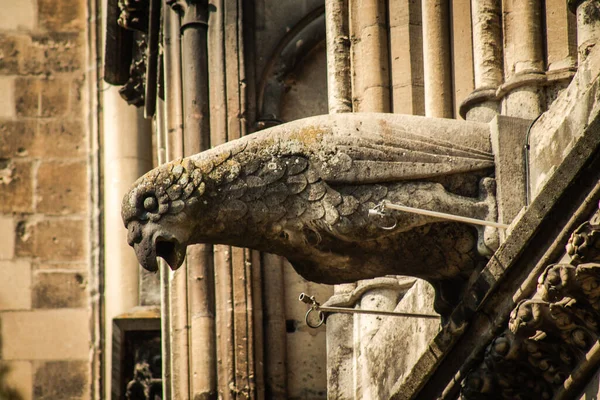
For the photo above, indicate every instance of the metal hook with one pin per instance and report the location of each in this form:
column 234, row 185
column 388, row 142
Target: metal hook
column 320, row 314
column 379, row 211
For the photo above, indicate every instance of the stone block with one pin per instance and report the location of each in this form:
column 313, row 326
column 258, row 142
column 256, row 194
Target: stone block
column 42, row 97
column 55, row 95
column 61, row 379
column 60, row 138
column 11, row 51
column 18, row 15
column 16, row 187
column 27, row 97
column 55, row 52
column 61, row 15
column 16, row 138
column 56, row 138
column 59, row 290
column 16, row 380
column 61, row 187
column 15, row 285
column 7, row 235
column 508, row 138
column 7, row 100
column 53, row 240
column 60, row 266
column 45, row 335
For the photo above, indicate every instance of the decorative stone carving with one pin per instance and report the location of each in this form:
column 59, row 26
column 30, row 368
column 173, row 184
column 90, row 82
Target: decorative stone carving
column 303, row 190
column 550, row 335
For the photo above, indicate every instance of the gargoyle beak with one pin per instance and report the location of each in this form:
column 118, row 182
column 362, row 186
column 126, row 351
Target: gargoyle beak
column 156, row 244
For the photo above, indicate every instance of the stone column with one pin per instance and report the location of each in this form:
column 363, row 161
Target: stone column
column 406, row 57
column 436, row 59
column 370, row 64
column 128, row 155
column 339, row 87
column 588, row 25
column 482, row 105
column 522, row 93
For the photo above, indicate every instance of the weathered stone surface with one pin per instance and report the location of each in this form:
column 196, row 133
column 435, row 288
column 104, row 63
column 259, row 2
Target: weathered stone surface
column 16, row 186
column 16, row 137
column 508, row 136
column 59, row 290
column 11, row 50
column 61, row 138
column 18, row 15
column 54, row 53
column 7, row 101
column 62, row 188
column 42, row 97
column 55, row 97
column 61, row 380
column 59, row 266
column 15, row 286
column 557, row 130
column 27, row 94
column 16, row 378
column 402, row 339
column 62, row 15
column 7, row 233
column 45, row 335
column 56, row 240
column 303, row 190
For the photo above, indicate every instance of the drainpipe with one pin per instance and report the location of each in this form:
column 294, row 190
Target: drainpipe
column 522, row 92
column 436, row 58
column 588, row 25
column 482, row 105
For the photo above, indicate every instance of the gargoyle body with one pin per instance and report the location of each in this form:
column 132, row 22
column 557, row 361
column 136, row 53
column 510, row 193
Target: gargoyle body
column 303, row 190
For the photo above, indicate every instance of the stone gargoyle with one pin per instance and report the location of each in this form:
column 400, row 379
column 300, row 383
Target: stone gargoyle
column 303, row 190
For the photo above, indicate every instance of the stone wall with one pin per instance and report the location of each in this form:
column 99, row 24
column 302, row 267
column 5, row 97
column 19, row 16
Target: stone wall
column 45, row 334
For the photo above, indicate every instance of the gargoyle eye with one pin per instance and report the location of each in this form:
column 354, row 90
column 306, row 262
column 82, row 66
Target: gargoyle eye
column 150, row 204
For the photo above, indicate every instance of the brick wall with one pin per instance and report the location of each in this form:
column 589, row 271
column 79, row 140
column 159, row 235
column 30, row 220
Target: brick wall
column 45, row 350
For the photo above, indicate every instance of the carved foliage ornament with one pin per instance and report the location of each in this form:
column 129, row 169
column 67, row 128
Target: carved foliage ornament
column 550, row 335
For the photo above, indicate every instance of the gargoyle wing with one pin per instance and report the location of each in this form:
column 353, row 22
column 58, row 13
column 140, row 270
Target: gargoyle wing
column 375, row 148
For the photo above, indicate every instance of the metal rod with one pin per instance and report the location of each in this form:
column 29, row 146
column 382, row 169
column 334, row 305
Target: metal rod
column 315, row 306
column 374, row 312
column 437, row 214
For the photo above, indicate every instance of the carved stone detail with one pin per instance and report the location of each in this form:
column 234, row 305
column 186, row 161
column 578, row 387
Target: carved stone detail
column 303, row 190
column 549, row 335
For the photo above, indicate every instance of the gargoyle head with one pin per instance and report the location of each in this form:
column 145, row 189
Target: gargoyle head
column 154, row 209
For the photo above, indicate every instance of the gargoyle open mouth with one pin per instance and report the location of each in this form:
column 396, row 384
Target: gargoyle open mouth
column 170, row 250
column 159, row 245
